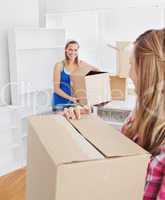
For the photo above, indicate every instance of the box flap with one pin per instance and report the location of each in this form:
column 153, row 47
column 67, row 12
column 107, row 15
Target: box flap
column 105, row 138
column 62, row 142
column 82, row 71
column 95, row 73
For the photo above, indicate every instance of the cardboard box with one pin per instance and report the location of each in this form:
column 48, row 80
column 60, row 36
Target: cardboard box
column 91, row 87
column 118, row 87
column 82, row 160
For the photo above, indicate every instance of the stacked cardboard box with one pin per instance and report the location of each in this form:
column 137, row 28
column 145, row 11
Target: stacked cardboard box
column 118, row 82
column 118, row 87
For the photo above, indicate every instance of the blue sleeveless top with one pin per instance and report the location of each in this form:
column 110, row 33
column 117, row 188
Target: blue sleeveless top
column 65, row 85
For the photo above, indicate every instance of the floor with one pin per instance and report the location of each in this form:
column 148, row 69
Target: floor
column 12, row 186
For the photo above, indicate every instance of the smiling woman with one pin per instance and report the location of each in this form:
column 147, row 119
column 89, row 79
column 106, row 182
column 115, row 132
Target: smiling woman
column 62, row 95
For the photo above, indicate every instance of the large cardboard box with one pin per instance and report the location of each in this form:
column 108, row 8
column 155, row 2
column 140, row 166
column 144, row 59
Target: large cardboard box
column 82, row 160
column 118, row 87
column 91, row 87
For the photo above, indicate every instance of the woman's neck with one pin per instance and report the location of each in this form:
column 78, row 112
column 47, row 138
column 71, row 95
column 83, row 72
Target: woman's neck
column 69, row 62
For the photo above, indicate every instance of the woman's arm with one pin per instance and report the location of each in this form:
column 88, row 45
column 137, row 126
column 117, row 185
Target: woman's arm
column 56, row 83
column 83, row 63
column 155, row 179
column 161, row 194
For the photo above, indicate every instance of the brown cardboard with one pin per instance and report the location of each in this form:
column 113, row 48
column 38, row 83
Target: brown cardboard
column 118, row 87
column 84, row 160
column 90, row 127
column 91, row 87
column 116, row 179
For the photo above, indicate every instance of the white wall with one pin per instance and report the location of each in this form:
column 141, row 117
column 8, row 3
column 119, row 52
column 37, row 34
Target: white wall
column 97, row 28
column 13, row 13
column 42, row 12
column 32, row 13
column 128, row 23
column 77, row 5
column 80, row 26
column 124, row 25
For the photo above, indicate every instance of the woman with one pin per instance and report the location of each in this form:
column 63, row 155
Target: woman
column 62, row 95
column 146, row 126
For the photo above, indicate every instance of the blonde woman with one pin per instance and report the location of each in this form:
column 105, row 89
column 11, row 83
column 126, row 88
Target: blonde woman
column 147, row 125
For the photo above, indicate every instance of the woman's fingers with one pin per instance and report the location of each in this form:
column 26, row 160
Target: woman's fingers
column 71, row 113
column 77, row 112
column 66, row 113
column 86, row 109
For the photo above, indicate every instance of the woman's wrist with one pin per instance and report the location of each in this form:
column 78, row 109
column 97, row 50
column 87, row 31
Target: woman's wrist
column 72, row 98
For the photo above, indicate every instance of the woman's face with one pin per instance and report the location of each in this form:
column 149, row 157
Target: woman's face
column 72, row 51
column 132, row 71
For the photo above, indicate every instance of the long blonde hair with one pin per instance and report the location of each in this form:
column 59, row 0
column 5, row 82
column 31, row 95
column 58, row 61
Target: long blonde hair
column 149, row 123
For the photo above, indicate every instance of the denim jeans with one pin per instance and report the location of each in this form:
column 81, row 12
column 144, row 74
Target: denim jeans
column 60, row 107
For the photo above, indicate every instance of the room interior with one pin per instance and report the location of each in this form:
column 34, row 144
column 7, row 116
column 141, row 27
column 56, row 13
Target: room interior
column 33, row 34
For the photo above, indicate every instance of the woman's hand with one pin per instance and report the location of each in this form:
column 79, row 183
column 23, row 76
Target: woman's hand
column 76, row 112
column 74, row 99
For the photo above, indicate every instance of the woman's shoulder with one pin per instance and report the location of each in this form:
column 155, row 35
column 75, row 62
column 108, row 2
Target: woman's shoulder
column 82, row 63
column 162, row 153
column 160, row 157
column 85, row 64
column 59, row 65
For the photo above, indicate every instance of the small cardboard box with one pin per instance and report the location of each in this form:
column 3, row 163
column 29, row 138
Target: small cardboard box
column 118, row 87
column 82, row 160
column 91, row 87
